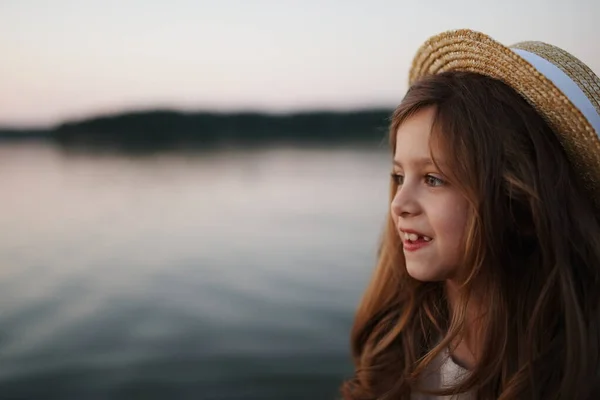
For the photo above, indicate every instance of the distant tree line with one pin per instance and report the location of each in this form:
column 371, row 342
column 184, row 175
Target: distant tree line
column 168, row 128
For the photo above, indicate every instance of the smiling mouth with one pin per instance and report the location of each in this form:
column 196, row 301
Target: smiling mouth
column 414, row 237
column 415, row 245
column 414, row 241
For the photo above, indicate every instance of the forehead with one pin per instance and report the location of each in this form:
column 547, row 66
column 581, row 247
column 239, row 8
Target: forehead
column 412, row 137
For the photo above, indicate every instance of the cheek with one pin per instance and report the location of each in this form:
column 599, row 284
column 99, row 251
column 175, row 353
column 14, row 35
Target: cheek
column 450, row 221
column 393, row 212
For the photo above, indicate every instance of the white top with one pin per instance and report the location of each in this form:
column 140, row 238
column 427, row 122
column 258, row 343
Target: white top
column 442, row 372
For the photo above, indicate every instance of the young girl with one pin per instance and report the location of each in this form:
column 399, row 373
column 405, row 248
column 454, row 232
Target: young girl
column 487, row 284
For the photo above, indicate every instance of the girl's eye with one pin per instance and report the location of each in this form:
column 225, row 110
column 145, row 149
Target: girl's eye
column 397, row 178
column 431, row 180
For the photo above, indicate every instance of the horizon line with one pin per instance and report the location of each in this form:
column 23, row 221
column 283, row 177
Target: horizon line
column 184, row 111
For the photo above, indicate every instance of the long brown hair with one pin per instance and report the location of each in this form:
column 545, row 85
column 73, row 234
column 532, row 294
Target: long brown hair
column 532, row 259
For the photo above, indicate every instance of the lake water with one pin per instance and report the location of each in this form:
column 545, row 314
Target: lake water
column 224, row 274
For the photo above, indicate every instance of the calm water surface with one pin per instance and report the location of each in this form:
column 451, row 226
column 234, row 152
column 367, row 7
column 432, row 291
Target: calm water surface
column 230, row 274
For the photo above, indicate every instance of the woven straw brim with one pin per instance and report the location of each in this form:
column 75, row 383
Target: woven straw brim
column 465, row 50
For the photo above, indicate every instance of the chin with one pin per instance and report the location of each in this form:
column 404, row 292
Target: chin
column 425, row 274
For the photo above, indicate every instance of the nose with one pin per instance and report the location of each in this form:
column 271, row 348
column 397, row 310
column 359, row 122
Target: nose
column 405, row 202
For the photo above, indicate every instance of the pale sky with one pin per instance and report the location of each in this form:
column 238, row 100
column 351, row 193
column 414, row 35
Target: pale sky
column 64, row 59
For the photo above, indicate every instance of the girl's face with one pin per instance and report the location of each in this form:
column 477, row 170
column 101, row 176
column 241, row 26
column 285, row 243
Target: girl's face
column 429, row 213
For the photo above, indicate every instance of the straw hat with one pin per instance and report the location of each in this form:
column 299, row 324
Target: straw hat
column 562, row 89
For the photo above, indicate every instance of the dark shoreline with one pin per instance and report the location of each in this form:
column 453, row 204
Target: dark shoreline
column 160, row 128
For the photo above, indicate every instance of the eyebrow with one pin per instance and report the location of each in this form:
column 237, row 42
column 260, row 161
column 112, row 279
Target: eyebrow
column 421, row 162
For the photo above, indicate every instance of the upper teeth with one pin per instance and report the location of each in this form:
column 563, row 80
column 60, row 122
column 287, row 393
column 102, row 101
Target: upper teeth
column 413, row 236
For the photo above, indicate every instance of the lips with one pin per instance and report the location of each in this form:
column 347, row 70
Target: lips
column 412, row 235
column 413, row 240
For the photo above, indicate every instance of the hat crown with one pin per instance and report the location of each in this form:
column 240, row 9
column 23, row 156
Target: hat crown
column 577, row 71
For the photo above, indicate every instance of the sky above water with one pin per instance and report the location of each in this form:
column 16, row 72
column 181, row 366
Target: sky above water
column 65, row 59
